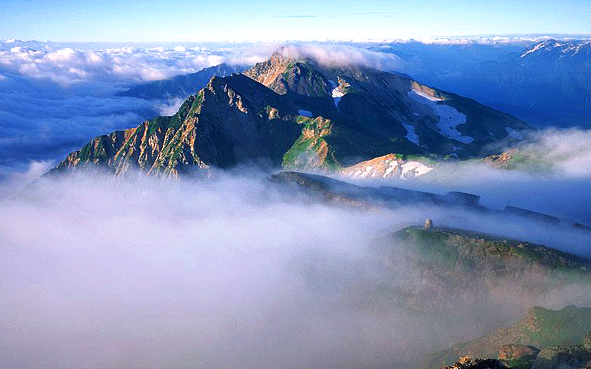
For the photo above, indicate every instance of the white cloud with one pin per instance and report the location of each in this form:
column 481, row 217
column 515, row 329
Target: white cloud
column 68, row 65
column 43, row 121
column 222, row 273
column 169, row 107
column 342, row 55
column 564, row 152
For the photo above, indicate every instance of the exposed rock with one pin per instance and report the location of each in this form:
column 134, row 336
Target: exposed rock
column 503, row 160
column 467, row 363
column 227, row 123
column 518, row 356
column 428, row 224
column 513, row 352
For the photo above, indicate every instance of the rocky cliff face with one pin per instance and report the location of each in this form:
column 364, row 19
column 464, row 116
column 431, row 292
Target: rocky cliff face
column 387, row 166
column 301, row 115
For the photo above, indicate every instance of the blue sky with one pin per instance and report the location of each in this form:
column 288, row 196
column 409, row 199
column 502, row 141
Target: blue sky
column 265, row 20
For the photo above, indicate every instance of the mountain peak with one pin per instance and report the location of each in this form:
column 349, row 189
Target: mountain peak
column 285, row 72
column 293, row 111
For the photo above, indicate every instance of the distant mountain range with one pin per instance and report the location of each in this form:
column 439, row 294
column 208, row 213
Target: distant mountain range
column 546, row 84
column 298, row 114
column 181, row 86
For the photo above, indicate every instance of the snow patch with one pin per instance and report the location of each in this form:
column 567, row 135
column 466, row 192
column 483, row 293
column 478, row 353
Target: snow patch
column 413, row 169
column 391, row 169
column 305, row 113
column 449, row 117
column 411, row 135
column 336, row 95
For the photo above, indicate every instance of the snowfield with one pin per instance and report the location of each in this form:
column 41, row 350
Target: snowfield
column 336, row 95
column 411, row 135
column 449, row 117
column 391, row 169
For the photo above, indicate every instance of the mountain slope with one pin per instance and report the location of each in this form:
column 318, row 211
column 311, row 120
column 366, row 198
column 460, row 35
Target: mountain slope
column 301, row 115
column 227, row 123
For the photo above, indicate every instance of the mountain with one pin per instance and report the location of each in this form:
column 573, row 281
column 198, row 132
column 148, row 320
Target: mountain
column 540, row 328
column 181, row 86
column 301, row 115
column 546, row 84
column 382, row 105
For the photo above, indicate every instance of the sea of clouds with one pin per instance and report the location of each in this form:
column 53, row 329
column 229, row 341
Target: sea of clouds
column 103, row 272
column 97, row 272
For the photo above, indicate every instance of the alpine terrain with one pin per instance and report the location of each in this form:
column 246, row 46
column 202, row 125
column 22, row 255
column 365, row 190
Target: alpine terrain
column 299, row 114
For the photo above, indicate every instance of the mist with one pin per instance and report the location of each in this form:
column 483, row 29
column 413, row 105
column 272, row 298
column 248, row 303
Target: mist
column 103, row 272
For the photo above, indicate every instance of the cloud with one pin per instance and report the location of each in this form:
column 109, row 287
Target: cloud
column 15, row 182
column 169, row 108
column 54, row 98
column 67, row 65
column 342, row 55
column 43, row 121
column 223, row 273
column 564, row 152
column 133, row 272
